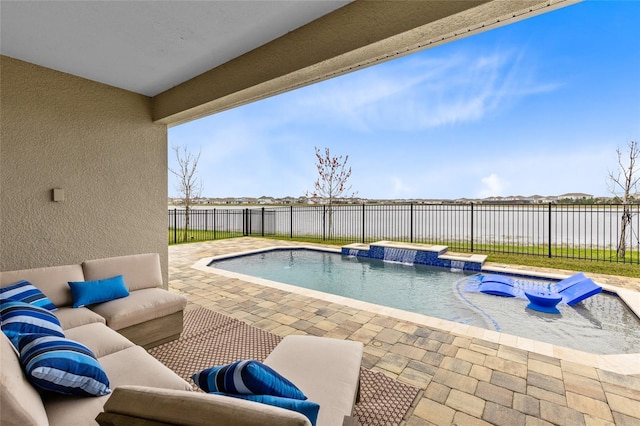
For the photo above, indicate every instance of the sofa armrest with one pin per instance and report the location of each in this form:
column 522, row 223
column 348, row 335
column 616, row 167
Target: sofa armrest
column 113, row 419
column 350, row 421
column 166, row 406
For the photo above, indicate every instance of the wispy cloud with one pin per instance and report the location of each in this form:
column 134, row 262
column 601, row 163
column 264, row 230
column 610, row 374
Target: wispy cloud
column 423, row 91
column 492, row 186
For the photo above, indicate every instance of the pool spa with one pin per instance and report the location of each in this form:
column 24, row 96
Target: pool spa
column 602, row 324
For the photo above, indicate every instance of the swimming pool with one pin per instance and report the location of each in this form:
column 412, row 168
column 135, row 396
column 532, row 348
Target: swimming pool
column 601, row 324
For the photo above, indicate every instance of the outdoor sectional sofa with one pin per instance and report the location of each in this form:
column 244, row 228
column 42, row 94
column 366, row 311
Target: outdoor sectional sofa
column 145, row 392
column 148, row 317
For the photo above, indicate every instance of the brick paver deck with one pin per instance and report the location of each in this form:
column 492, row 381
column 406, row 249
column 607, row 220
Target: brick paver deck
column 466, row 380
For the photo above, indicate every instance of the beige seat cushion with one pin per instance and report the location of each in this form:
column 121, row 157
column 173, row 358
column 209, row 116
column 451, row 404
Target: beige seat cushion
column 75, row 317
column 139, row 270
column 52, row 281
column 326, row 370
column 140, row 306
column 20, row 403
column 194, row 409
column 99, row 338
column 131, row 366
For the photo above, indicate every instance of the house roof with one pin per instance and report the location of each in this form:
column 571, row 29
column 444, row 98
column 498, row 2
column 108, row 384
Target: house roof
column 199, row 57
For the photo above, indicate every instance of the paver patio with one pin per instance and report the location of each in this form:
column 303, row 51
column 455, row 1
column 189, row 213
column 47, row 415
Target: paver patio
column 464, row 379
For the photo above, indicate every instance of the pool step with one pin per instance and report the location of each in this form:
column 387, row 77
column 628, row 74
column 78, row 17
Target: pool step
column 422, row 254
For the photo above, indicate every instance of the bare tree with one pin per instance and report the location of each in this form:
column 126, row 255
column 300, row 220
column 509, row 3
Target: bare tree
column 332, row 182
column 622, row 184
column 189, row 185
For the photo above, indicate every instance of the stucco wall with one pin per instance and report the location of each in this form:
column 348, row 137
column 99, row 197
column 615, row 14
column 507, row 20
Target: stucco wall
column 99, row 145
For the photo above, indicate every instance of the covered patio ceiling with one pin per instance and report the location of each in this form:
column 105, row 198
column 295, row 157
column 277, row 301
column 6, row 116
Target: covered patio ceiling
column 195, row 58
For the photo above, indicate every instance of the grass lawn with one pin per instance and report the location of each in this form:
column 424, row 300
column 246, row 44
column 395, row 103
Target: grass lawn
column 578, row 265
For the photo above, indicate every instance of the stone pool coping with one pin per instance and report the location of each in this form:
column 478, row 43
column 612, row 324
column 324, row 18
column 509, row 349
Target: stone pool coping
column 619, row 363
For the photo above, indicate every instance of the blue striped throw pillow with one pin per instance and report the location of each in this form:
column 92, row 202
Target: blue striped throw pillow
column 246, row 377
column 24, row 291
column 18, row 318
column 61, row 365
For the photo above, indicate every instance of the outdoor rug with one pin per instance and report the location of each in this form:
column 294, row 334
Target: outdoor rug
column 210, row 338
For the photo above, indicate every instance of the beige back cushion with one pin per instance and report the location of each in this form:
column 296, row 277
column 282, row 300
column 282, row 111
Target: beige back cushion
column 52, row 281
column 139, row 270
column 20, row 403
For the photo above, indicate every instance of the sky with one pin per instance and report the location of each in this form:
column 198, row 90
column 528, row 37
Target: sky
column 537, row 107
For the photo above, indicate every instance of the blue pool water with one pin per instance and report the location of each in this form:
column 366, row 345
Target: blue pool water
column 601, row 324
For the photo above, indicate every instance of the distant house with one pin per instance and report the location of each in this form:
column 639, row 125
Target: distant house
column 458, row 200
column 246, row 200
column 575, row 196
column 537, row 199
column 512, row 199
column 265, row 200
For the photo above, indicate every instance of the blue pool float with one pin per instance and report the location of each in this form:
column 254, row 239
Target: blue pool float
column 571, row 290
column 543, row 301
column 576, row 288
column 497, row 285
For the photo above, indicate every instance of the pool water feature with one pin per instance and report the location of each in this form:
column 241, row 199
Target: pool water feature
column 601, row 324
column 410, row 253
column 400, row 255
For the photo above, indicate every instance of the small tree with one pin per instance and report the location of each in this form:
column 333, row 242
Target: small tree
column 622, row 185
column 189, row 185
column 332, row 182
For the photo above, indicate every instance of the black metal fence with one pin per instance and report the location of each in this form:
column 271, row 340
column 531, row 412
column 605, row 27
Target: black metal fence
column 554, row 230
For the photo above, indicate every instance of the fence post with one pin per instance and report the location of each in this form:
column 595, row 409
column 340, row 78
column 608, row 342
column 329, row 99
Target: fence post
column 411, row 224
column 472, row 227
column 214, row 224
column 245, row 221
column 363, row 224
column 549, row 229
column 175, row 226
column 324, row 213
column 291, row 222
column 262, row 219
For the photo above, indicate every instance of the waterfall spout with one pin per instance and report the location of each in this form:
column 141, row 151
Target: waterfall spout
column 457, row 265
column 399, row 255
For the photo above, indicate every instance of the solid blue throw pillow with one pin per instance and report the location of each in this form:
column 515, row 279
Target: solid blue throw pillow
column 24, row 291
column 18, row 318
column 308, row 408
column 90, row 292
column 61, row 365
column 246, row 377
